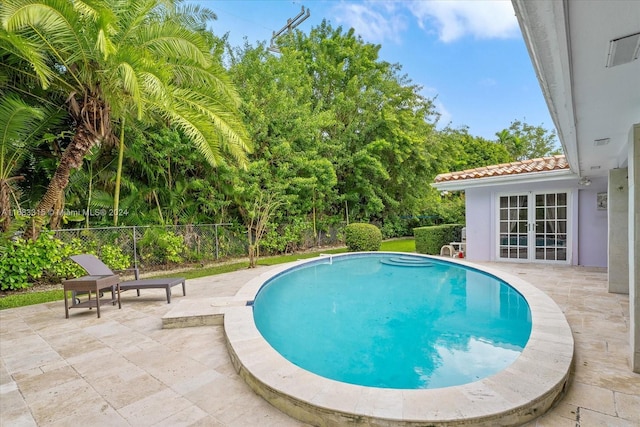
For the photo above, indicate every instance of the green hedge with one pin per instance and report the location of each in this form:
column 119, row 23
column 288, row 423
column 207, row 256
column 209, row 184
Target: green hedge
column 362, row 237
column 429, row 240
column 24, row 261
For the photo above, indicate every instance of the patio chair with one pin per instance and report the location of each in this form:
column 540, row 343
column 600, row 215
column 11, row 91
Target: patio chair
column 460, row 248
column 94, row 266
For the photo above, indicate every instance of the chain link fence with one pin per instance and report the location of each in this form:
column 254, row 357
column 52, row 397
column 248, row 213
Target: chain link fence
column 153, row 248
column 150, row 248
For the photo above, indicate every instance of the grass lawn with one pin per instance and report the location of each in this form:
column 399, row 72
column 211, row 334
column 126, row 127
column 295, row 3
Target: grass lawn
column 399, row 245
column 29, row 298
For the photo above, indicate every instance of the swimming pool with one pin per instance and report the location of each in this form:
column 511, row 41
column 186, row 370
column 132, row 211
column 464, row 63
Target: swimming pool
column 523, row 390
column 392, row 321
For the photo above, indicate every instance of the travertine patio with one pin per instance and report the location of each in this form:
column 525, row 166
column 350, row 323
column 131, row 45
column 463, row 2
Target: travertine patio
column 124, row 369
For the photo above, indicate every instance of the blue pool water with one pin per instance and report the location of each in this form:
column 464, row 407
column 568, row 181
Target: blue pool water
column 393, row 321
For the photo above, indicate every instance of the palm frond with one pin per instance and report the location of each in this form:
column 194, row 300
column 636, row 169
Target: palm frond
column 105, row 20
column 131, row 15
column 130, row 84
column 193, row 129
column 211, row 79
column 29, row 53
column 221, row 115
column 17, row 118
column 170, row 40
column 194, row 16
column 154, row 86
column 100, row 199
column 51, row 25
column 17, row 121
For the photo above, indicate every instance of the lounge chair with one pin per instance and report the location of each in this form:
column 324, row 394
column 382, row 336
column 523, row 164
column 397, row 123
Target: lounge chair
column 95, row 267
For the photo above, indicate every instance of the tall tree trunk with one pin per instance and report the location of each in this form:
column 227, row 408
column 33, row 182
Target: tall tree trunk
column 116, row 195
column 87, row 214
column 71, row 159
column 5, row 206
column 57, row 213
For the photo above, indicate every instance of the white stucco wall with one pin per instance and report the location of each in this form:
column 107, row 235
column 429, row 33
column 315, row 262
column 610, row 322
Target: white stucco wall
column 588, row 224
column 480, row 212
column 592, row 225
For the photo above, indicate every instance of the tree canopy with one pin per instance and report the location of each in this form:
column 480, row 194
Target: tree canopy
column 524, row 141
column 338, row 128
column 109, row 61
column 326, row 127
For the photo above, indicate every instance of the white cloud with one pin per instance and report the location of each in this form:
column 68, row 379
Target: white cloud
column 482, row 19
column 375, row 22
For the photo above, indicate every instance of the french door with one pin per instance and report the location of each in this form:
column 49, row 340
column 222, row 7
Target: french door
column 534, row 226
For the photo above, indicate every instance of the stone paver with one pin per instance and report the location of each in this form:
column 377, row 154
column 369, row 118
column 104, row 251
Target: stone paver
column 124, row 369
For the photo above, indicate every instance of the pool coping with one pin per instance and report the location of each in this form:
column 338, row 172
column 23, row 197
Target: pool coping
column 523, row 391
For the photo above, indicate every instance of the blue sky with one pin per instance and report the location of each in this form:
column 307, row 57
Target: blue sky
column 468, row 54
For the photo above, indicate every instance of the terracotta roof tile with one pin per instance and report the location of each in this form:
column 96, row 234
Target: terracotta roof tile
column 514, row 168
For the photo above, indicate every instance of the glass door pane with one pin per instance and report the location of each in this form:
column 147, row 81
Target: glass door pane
column 551, row 227
column 513, row 226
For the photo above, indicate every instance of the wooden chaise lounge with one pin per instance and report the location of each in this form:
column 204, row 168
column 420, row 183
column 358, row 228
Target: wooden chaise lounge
column 95, row 267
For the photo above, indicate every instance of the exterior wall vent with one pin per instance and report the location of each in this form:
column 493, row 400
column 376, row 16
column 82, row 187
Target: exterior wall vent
column 624, row 49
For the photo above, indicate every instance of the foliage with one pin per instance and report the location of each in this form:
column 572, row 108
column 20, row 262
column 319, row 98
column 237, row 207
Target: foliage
column 61, row 267
column 18, row 120
column 362, row 237
column 524, row 141
column 110, row 61
column 337, row 131
column 114, row 257
column 23, row 261
column 20, row 300
column 263, row 209
column 286, row 238
column 161, row 246
column 458, row 150
column 339, row 134
column 47, row 258
column 429, row 240
column 449, row 209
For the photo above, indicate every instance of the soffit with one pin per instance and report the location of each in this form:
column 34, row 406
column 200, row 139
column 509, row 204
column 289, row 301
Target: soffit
column 568, row 42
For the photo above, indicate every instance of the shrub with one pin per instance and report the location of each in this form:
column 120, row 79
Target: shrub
column 61, row 267
column 24, row 261
column 114, row 257
column 285, row 238
column 362, row 237
column 161, row 246
column 429, row 240
column 395, row 227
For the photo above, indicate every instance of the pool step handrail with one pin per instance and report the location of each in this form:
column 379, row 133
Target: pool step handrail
column 330, row 256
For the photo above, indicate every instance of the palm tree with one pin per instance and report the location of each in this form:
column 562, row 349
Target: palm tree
column 111, row 61
column 18, row 120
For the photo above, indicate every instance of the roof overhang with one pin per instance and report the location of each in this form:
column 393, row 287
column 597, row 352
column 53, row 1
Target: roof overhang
column 593, row 106
column 544, row 28
column 522, row 178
